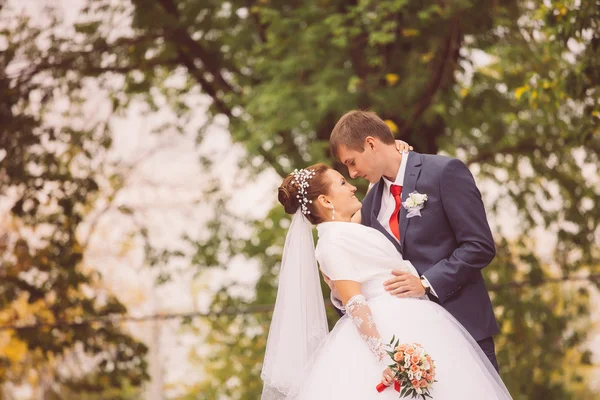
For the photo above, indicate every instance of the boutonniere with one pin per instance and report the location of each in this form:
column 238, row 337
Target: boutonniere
column 414, row 204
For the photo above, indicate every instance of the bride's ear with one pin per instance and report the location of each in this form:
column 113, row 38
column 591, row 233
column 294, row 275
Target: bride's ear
column 324, row 201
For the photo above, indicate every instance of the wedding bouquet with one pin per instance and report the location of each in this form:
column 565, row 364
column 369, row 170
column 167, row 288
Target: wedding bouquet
column 413, row 368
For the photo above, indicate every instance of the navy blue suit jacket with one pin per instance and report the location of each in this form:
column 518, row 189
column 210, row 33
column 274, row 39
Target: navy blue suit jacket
column 450, row 243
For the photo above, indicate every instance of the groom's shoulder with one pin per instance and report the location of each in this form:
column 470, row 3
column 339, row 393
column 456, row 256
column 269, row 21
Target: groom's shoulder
column 435, row 161
column 367, row 202
column 371, row 193
column 438, row 166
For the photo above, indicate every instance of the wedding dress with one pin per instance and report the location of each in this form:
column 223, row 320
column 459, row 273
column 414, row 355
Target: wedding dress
column 348, row 362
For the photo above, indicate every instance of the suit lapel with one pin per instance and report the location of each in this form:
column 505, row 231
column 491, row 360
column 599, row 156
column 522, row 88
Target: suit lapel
column 377, row 195
column 381, row 229
column 413, row 169
column 375, row 212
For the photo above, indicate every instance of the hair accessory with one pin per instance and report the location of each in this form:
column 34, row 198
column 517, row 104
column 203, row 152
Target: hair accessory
column 301, row 178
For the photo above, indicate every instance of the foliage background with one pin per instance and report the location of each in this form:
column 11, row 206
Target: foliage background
column 509, row 87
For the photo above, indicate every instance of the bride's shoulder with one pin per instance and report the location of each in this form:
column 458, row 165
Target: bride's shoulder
column 342, row 234
column 336, row 229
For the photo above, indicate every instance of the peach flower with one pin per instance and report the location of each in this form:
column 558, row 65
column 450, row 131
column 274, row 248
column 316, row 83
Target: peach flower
column 398, row 356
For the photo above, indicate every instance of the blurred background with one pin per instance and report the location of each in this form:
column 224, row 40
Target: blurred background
column 142, row 142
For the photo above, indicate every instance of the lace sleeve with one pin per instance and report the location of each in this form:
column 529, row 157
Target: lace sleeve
column 358, row 309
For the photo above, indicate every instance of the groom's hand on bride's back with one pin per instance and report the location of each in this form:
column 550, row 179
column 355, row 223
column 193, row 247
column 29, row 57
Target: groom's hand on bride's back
column 404, row 284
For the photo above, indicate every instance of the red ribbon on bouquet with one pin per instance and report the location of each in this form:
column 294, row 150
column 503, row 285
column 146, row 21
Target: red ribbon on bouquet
column 381, row 387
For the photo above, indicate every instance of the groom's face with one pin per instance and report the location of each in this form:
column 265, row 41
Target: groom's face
column 361, row 164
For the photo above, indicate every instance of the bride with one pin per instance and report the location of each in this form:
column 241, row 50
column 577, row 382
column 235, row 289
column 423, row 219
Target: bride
column 304, row 361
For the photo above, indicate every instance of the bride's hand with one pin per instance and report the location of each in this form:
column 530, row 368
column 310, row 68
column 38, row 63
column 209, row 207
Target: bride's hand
column 387, row 377
column 403, row 147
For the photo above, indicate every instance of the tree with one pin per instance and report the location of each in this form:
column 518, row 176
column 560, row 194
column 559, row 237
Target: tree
column 50, row 181
column 509, row 87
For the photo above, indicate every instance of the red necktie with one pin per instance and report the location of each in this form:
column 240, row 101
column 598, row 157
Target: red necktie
column 396, row 192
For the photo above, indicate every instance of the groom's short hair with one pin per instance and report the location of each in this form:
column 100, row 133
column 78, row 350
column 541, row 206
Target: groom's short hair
column 354, row 127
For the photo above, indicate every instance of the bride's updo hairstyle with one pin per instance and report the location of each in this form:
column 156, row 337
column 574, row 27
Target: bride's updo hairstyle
column 318, row 183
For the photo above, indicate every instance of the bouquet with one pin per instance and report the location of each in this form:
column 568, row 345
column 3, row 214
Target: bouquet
column 413, row 368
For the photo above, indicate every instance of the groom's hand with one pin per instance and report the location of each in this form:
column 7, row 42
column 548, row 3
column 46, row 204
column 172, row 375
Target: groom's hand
column 404, row 284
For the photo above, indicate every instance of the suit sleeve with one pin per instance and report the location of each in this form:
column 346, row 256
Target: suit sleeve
column 465, row 211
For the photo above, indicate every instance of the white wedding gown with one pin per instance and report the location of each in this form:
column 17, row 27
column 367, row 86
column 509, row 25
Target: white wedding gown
column 345, row 365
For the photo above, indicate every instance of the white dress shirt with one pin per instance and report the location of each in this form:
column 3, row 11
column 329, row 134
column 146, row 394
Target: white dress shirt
column 388, row 204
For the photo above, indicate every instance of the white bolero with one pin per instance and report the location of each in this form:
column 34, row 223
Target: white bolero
column 354, row 252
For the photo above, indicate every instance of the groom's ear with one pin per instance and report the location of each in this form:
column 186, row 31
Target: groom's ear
column 370, row 143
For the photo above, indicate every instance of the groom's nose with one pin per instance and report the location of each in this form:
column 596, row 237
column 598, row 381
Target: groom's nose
column 353, row 172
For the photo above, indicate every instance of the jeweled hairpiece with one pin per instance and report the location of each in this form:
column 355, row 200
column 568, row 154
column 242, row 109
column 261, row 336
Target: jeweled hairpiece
column 301, row 178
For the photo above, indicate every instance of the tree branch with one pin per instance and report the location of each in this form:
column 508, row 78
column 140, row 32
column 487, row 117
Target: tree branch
column 448, row 57
column 189, row 45
column 251, row 309
column 261, row 28
column 192, row 50
column 80, row 59
column 536, row 283
column 67, row 64
column 223, row 108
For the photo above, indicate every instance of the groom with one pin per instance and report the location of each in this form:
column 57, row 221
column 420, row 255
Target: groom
column 445, row 236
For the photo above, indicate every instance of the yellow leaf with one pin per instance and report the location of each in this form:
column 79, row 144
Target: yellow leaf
column 427, row 57
column 489, row 71
column 392, row 79
column 393, row 127
column 563, row 11
column 15, row 351
column 596, row 114
column 520, row 90
column 464, row 92
column 410, row 32
column 47, row 316
column 32, row 377
column 21, row 307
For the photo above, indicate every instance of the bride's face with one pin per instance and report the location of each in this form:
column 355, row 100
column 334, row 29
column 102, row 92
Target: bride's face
column 341, row 196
